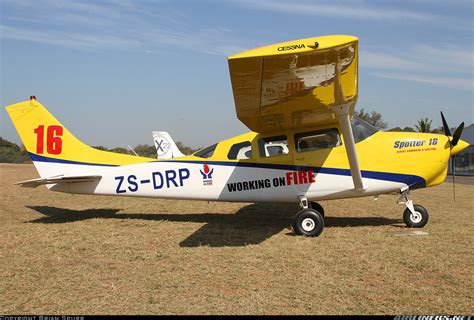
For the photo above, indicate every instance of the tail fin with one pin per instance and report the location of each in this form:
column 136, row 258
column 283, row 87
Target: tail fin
column 53, row 149
column 165, row 146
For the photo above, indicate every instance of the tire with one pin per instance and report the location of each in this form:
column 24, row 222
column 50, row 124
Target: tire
column 316, row 206
column 308, row 222
column 416, row 221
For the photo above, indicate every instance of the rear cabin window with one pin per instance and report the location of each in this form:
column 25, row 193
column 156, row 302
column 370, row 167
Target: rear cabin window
column 273, row 146
column 206, row 152
column 240, row 151
column 316, row 140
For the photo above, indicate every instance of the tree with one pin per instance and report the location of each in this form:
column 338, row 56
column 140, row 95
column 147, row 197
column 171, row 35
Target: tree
column 12, row 153
column 441, row 130
column 398, row 129
column 185, row 149
column 374, row 118
column 424, row 125
column 102, row 148
column 145, row 150
column 120, row 150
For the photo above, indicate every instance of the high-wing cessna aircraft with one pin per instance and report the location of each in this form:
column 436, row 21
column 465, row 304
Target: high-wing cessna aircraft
column 297, row 98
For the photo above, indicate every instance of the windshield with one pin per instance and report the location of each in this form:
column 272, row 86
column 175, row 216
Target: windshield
column 206, row 152
column 362, row 130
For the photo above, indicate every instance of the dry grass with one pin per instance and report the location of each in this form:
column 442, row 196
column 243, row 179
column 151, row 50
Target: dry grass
column 76, row 254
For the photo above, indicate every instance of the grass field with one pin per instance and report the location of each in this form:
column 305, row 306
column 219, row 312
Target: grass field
column 75, row 254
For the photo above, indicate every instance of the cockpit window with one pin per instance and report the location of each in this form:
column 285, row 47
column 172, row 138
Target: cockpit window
column 206, row 152
column 239, row 151
column 362, row 130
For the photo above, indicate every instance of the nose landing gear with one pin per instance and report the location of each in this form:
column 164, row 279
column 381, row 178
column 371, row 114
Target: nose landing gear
column 415, row 215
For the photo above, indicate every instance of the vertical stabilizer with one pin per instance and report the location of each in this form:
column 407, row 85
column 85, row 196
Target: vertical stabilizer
column 54, row 149
column 165, row 146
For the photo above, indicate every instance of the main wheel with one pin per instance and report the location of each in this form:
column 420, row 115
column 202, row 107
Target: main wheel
column 417, row 220
column 308, row 222
column 316, row 206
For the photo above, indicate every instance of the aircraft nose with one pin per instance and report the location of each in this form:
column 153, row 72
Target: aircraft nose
column 459, row 147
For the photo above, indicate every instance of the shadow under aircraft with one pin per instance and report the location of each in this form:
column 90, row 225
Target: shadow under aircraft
column 252, row 224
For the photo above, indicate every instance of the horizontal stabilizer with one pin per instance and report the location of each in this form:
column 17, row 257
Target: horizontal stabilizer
column 57, row 179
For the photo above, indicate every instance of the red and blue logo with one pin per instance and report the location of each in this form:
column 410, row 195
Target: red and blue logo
column 206, row 173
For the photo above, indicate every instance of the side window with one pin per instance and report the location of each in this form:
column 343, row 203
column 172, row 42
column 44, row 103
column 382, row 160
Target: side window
column 242, row 150
column 273, row 146
column 315, row 140
column 206, row 152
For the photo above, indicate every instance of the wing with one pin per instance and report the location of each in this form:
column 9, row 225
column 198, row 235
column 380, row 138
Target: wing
column 299, row 84
column 59, row 179
column 294, row 84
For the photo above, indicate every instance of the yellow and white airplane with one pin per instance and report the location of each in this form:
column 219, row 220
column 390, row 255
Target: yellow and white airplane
column 297, row 98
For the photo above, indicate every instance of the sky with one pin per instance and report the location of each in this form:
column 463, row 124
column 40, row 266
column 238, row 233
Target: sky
column 112, row 71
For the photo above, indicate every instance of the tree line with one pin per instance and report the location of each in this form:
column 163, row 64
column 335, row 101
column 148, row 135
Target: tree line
column 12, row 153
column 375, row 119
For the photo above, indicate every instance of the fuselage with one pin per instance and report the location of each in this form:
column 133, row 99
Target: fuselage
column 389, row 162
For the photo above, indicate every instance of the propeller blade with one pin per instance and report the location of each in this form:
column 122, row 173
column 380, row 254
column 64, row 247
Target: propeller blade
column 457, row 134
column 445, row 125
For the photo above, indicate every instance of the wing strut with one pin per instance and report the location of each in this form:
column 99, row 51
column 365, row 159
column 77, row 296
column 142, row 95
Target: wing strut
column 342, row 114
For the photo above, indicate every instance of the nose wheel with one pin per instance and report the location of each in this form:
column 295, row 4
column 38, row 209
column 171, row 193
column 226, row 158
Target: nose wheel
column 416, row 219
column 415, row 215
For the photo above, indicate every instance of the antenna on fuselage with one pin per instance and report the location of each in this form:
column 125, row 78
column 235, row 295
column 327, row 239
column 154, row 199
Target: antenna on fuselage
column 132, row 150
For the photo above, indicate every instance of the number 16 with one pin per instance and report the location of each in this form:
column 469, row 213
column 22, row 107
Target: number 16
column 54, row 143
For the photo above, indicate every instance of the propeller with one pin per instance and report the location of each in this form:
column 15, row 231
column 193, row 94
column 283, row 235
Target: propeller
column 447, row 132
column 452, row 143
column 457, row 134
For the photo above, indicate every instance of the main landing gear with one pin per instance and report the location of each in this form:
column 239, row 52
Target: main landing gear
column 415, row 215
column 309, row 221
